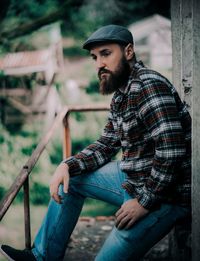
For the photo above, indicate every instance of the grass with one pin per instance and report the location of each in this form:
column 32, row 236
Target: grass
column 12, row 225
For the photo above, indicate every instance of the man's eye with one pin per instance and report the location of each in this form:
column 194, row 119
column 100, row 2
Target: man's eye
column 94, row 58
column 106, row 54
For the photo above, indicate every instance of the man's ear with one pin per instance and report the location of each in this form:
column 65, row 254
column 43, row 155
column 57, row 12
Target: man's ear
column 129, row 52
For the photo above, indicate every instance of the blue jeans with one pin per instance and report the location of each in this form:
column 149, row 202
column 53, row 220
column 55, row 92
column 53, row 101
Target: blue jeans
column 104, row 184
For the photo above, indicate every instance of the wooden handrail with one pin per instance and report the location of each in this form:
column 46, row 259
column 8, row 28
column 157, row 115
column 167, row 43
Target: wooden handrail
column 22, row 178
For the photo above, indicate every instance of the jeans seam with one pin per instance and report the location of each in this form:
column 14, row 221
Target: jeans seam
column 94, row 185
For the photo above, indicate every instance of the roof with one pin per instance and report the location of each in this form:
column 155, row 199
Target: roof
column 21, row 63
column 146, row 26
column 24, row 59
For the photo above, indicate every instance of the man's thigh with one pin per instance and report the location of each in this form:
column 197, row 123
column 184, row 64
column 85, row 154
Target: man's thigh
column 103, row 183
column 132, row 244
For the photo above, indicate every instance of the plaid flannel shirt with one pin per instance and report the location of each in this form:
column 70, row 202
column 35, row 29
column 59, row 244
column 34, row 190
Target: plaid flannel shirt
column 152, row 126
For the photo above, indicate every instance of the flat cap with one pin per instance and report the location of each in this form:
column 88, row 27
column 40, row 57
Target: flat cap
column 109, row 33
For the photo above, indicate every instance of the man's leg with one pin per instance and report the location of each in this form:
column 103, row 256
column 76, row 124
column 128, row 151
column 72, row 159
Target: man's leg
column 132, row 244
column 104, row 184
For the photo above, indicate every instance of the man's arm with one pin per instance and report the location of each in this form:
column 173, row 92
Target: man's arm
column 60, row 176
column 96, row 154
column 158, row 111
column 92, row 157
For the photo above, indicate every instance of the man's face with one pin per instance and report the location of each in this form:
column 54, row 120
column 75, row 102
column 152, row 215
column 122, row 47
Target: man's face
column 112, row 66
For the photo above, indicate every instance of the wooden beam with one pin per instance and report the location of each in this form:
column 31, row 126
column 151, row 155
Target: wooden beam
column 19, row 106
column 17, row 92
column 196, row 133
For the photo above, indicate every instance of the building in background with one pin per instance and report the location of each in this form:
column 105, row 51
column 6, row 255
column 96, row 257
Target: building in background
column 153, row 46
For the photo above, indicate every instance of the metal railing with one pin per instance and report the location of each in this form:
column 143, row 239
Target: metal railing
column 23, row 177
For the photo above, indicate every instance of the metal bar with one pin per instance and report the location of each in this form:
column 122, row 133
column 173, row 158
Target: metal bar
column 25, row 171
column 67, row 138
column 27, row 226
column 102, row 107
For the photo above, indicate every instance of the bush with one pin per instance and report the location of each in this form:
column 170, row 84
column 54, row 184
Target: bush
column 39, row 194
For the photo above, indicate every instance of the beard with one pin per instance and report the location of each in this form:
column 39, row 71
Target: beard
column 114, row 80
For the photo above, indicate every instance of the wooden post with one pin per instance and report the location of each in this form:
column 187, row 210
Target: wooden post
column 67, row 138
column 196, row 133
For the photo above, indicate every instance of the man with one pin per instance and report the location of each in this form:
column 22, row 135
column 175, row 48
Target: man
column 151, row 183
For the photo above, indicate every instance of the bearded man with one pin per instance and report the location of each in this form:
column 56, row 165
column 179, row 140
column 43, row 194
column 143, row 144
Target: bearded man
column 152, row 181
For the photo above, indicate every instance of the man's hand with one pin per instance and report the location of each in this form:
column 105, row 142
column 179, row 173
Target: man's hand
column 129, row 213
column 60, row 176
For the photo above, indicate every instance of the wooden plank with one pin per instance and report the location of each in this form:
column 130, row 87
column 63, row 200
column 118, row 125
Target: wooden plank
column 19, row 106
column 18, row 92
column 196, row 133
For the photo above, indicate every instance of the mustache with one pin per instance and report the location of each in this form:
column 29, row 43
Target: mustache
column 102, row 70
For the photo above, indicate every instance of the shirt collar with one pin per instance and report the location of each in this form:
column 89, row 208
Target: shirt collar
column 138, row 65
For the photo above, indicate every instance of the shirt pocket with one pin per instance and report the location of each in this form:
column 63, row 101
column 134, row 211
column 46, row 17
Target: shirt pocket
column 131, row 127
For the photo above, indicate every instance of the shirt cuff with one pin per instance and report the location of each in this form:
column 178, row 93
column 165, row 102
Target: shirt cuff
column 74, row 167
column 147, row 199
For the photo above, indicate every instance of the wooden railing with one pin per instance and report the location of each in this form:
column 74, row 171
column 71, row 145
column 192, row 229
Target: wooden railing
column 23, row 177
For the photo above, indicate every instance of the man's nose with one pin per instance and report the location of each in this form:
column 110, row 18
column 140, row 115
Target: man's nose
column 100, row 63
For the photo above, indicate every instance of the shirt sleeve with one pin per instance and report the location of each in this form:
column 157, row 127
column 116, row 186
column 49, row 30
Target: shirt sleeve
column 159, row 114
column 96, row 154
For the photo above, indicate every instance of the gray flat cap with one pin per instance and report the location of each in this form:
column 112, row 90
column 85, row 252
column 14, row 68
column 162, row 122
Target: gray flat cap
column 109, row 33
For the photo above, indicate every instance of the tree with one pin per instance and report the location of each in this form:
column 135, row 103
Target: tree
column 24, row 17
column 79, row 17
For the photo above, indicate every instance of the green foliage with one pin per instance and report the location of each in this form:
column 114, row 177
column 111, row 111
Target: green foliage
column 39, row 194
column 79, row 18
column 2, row 192
column 93, row 208
column 74, row 51
column 55, row 153
column 93, row 87
column 80, row 144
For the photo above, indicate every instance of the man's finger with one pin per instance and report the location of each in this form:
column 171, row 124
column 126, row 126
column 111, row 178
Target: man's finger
column 57, row 198
column 54, row 193
column 130, row 223
column 118, row 212
column 123, row 222
column 65, row 184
